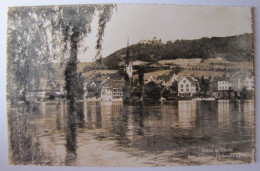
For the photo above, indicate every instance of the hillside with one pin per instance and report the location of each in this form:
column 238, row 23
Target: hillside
column 233, row 48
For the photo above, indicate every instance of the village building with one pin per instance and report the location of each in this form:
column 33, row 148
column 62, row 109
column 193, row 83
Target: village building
column 249, row 83
column 111, row 94
column 106, row 93
column 187, row 86
column 129, row 70
column 174, row 78
column 150, row 79
column 117, row 94
column 112, row 91
column 221, row 87
column 163, row 83
column 160, row 82
column 221, row 84
column 93, row 84
column 104, row 81
column 242, row 80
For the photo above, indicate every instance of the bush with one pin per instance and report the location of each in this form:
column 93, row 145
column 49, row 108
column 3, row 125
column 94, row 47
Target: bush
column 152, row 91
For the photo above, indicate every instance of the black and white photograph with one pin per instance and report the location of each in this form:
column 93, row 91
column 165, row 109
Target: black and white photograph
column 130, row 85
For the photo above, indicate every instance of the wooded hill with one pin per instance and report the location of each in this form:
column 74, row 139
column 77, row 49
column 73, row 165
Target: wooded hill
column 232, row 48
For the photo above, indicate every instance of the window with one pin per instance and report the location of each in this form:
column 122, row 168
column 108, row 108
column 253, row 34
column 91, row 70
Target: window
column 182, row 89
column 181, row 85
column 184, row 81
column 187, row 89
column 187, row 85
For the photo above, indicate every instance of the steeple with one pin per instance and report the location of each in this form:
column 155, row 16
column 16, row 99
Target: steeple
column 127, row 58
column 128, row 66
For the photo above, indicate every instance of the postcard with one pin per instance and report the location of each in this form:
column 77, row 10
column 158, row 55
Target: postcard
column 119, row 85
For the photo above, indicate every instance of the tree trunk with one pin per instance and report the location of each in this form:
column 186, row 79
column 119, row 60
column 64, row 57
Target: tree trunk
column 24, row 91
column 71, row 75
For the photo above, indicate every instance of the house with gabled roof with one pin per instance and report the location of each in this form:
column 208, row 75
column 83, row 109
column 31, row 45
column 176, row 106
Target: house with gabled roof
column 222, row 84
column 187, row 86
column 93, row 84
column 174, row 78
column 112, row 91
column 106, row 93
column 249, row 83
column 150, row 79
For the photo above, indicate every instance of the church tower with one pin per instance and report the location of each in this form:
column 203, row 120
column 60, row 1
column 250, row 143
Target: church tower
column 129, row 70
column 128, row 65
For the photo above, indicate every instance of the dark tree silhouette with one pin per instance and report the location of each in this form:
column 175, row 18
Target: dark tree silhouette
column 152, row 91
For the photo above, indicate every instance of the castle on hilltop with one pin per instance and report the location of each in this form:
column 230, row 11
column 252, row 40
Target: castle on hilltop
column 153, row 41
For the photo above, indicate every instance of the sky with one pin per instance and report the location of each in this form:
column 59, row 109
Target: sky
column 165, row 22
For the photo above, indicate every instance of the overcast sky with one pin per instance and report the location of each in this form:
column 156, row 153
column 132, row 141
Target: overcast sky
column 166, row 22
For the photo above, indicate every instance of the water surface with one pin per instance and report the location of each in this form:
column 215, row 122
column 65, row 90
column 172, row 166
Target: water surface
column 152, row 134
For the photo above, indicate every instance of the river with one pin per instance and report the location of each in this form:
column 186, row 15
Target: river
column 149, row 134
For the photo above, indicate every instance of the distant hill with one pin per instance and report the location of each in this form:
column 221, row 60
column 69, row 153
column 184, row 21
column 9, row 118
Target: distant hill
column 232, row 48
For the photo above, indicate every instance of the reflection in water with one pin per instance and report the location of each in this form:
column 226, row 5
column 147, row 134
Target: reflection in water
column 139, row 118
column 119, row 124
column 223, row 114
column 71, row 135
column 186, row 114
column 67, row 132
column 89, row 116
column 98, row 115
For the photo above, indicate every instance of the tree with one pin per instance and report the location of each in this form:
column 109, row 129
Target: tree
column 74, row 23
column 28, row 50
column 127, row 87
column 41, row 35
column 174, row 87
column 204, row 86
column 166, row 93
column 152, row 91
column 141, row 71
column 246, row 94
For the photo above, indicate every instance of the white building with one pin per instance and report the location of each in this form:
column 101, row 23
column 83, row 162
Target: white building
column 111, row 94
column 106, row 93
column 117, row 94
column 187, row 86
column 129, row 70
column 150, row 79
column 174, row 78
column 222, row 84
column 93, row 84
column 249, row 83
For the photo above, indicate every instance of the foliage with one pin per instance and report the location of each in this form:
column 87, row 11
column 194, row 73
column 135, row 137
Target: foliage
column 25, row 148
column 246, row 94
column 141, row 75
column 232, row 48
column 204, row 86
column 28, row 49
column 167, row 94
column 152, row 91
column 137, row 93
column 41, row 35
column 127, row 87
column 174, row 87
